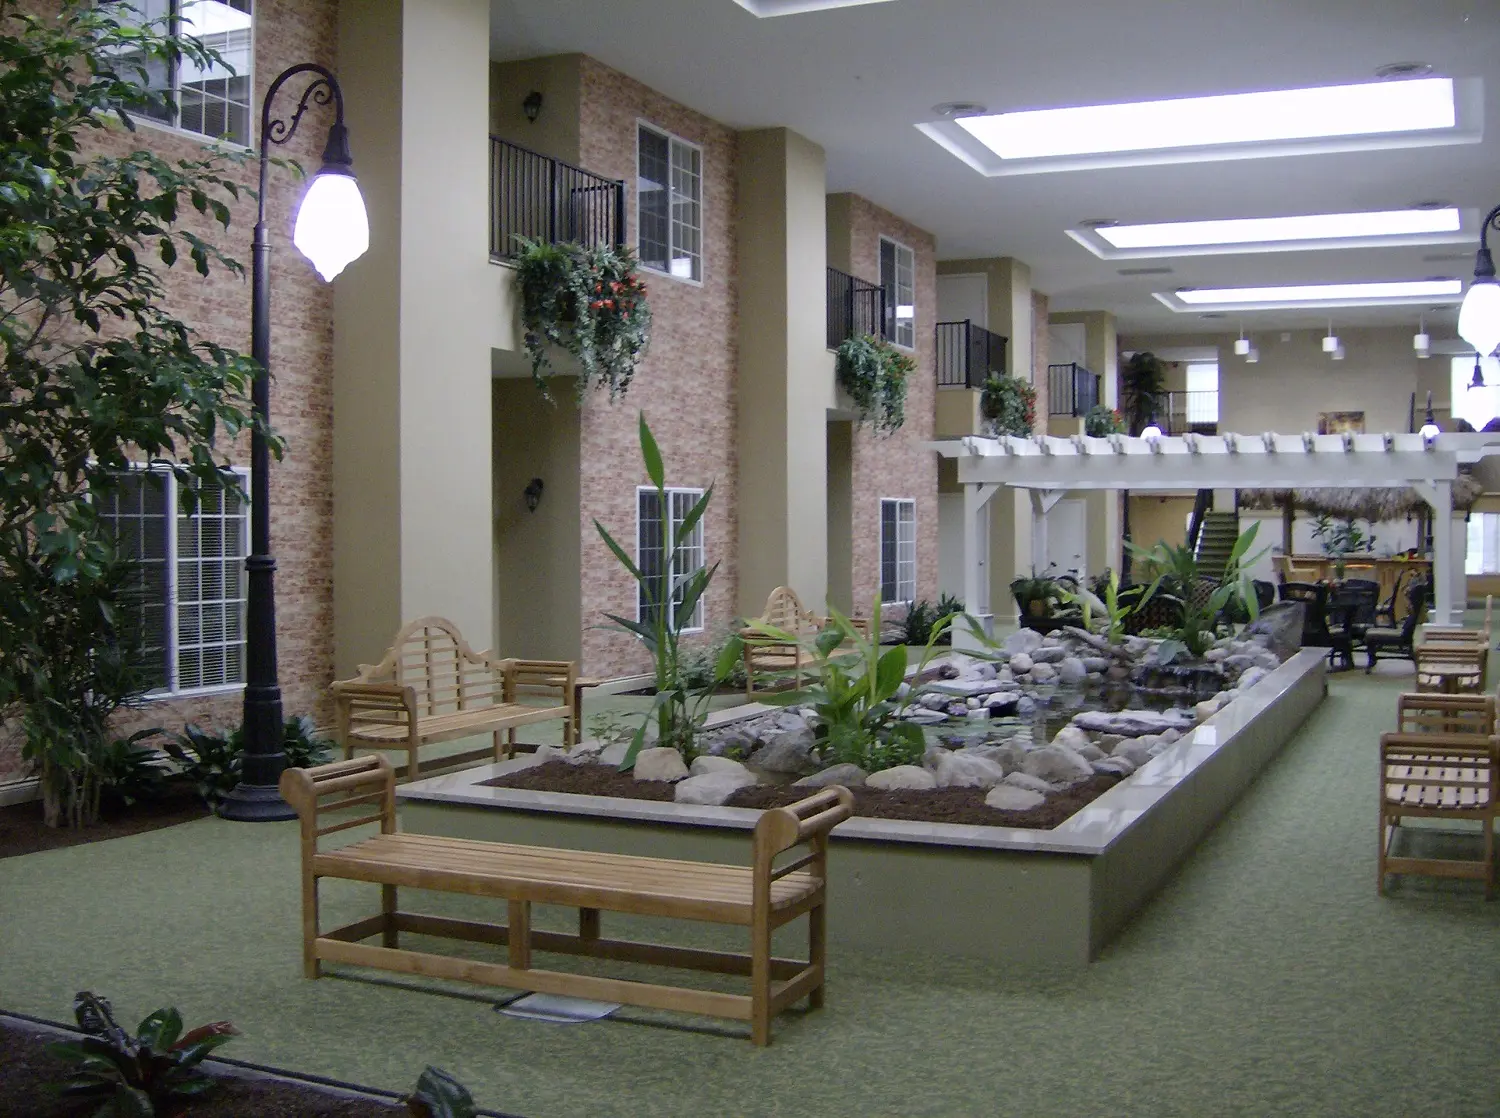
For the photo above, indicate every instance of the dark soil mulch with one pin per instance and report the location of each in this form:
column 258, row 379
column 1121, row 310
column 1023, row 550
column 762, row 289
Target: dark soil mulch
column 23, row 832
column 941, row 805
column 27, row 1071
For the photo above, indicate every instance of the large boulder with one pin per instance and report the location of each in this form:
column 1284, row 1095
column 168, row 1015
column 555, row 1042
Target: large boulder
column 1114, row 766
column 704, row 765
column 1057, row 764
column 1007, row 797
column 850, row 776
column 1280, row 626
column 1133, row 723
column 786, row 751
column 901, row 777
column 1022, row 640
column 1048, row 654
column 1071, row 737
column 1135, row 750
column 711, row 789
column 660, row 763
column 1043, row 673
column 958, row 770
column 1030, row 783
column 1072, row 670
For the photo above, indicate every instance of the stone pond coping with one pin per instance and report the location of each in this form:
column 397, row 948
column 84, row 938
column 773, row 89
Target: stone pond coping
column 1093, row 830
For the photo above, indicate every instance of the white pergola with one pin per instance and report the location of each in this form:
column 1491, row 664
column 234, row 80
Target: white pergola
column 1051, row 466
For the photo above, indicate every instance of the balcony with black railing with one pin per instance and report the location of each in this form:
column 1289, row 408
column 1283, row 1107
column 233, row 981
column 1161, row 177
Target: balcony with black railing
column 967, row 354
column 541, row 198
column 1190, row 413
column 1071, row 390
column 855, row 306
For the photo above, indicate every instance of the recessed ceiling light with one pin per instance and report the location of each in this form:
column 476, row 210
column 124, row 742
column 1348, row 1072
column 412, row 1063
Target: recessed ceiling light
column 951, row 110
column 1097, row 222
column 1447, row 257
column 1281, row 230
column 1236, row 118
column 1431, row 204
column 1212, row 314
column 764, row 8
column 1403, row 70
column 1145, row 271
column 1314, row 294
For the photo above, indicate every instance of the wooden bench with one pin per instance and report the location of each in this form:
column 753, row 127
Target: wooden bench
column 761, row 896
column 1440, row 764
column 784, row 611
column 430, row 687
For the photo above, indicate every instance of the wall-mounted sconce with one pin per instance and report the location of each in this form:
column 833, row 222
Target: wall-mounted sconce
column 532, row 106
column 533, row 494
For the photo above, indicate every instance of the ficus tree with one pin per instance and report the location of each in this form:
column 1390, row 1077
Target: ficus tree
column 97, row 371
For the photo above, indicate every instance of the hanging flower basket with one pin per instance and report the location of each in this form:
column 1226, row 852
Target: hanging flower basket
column 873, row 372
column 1008, row 404
column 589, row 302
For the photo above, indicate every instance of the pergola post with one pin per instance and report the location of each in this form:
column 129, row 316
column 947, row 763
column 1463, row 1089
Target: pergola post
column 1043, row 501
column 1439, row 495
column 976, row 574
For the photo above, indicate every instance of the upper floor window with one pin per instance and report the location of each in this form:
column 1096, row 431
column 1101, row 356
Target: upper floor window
column 898, row 272
column 669, row 204
column 213, row 101
column 659, row 537
column 188, row 579
column 1202, row 382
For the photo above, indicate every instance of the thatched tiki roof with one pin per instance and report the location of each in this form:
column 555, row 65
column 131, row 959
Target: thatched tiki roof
column 1393, row 503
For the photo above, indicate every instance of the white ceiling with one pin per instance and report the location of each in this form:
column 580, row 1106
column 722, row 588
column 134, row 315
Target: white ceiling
column 858, row 79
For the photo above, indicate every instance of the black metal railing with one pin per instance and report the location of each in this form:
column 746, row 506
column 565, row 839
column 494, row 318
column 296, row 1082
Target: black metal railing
column 855, row 306
column 1195, row 412
column 541, row 198
column 967, row 354
column 1071, row 389
column 1201, row 507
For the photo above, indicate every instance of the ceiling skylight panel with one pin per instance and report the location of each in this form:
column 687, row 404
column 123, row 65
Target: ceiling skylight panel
column 1324, row 292
column 1274, row 230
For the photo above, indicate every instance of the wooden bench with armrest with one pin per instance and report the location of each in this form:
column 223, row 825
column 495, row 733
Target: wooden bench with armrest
column 784, row 611
column 431, row 687
column 761, row 897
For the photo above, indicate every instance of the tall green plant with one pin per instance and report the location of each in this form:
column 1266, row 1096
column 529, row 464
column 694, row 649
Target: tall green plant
column 1200, row 617
column 589, row 300
column 857, row 698
column 1143, row 380
column 96, row 371
column 672, row 600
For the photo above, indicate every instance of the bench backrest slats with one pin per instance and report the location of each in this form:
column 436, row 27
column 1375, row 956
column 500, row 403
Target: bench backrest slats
column 1446, row 714
column 430, row 656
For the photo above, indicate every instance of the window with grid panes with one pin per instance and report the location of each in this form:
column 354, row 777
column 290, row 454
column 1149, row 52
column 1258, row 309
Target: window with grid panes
column 898, row 550
column 189, row 584
column 214, row 100
column 669, row 204
column 898, row 270
column 656, row 538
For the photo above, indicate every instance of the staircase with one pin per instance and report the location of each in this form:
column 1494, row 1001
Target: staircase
column 1216, row 541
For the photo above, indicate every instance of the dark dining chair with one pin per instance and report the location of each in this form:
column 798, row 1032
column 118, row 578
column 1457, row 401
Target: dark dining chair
column 1351, row 614
column 1395, row 643
column 1314, row 599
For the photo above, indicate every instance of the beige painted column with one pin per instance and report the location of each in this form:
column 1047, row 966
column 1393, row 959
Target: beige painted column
column 412, row 469
column 1009, row 285
column 785, row 376
column 1101, row 355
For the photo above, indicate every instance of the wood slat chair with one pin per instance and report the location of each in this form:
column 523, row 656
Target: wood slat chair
column 1422, row 713
column 431, row 687
column 1451, row 659
column 761, row 897
column 762, row 654
column 1438, row 776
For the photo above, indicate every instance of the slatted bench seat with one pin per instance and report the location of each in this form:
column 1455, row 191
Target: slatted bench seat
column 431, row 687
column 761, row 896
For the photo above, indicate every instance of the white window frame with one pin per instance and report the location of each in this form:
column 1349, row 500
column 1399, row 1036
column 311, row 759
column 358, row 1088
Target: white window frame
column 1199, row 407
column 174, row 127
column 674, row 142
column 173, row 651
column 911, row 324
column 911, row 562
column 669, row 541
column 1482, row 550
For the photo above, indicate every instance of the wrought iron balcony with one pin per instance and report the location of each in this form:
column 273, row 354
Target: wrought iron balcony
column 1071, row 389
column 855, row 306
column 541, row 198
column 967, row 354
column 1195, row 412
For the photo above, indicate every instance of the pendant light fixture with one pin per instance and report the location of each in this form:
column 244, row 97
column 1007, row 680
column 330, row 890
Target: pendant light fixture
column 1420, row 340
column 1330, row 341
column 1477, row 380
column 1479, row 317
column 1253, row 357
column 1338, row 353
column 1242, row 343
column 1430, row 428
column 1151, row 430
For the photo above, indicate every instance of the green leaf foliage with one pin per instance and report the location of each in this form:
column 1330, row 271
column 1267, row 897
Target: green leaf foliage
column 212, row 761
column 874, row 373
column 1009, row 403
column 97, row 372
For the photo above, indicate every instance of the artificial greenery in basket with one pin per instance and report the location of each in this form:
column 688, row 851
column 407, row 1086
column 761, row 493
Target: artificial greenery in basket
column 873, row 372
column 1101, row 421
column 589, row 301
column 1009, row 404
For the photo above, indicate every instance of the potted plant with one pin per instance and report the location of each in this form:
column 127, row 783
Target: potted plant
column 873, row 372
column 1008, row 405
column 1034, row 594
column 1101, row 421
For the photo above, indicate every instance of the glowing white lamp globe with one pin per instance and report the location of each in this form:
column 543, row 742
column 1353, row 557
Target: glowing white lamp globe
column 1429, row 430
column 332, row 228
column 1151, row 431
column 1479, row 318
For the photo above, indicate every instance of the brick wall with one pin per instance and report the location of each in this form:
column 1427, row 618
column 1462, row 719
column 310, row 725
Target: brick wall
column 686, row 384
column 286, row 32
column 897, row 465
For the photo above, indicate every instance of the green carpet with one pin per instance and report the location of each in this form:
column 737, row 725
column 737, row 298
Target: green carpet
column 1267, row 978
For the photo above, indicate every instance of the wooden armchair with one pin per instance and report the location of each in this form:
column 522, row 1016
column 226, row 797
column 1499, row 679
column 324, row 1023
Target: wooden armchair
column 763, row 654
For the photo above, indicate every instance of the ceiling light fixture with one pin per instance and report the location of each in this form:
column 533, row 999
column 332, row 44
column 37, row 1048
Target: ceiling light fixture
column 1151, row 430
column 766, row 8
column 1479, row 318
column 1253, row 357
column 1371, row 108
column 1330, row 342
column 1338, row 353
column 1421, row 341
column 1477, row 380
column 952, row 110
column 1281, row 234
column 1403, row 70
column 1380, row 293
column 1430, row 429
column 1242, row 343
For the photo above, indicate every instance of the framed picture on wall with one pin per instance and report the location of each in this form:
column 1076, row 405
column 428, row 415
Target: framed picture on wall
column 1341, row 423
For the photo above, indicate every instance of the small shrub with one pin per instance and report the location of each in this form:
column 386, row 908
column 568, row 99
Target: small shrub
column 917, row 626
column 130, row 771
column 1101, row 421
column 699, row 666
column 133, row 1076
column 609, row 728
column 212, row 761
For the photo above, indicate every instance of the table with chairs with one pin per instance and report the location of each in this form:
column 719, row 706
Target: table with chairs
column 1348, row 615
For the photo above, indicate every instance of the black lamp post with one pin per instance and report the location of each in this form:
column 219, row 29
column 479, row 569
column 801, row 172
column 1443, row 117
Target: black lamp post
column 331, row 231
column 1479, row 317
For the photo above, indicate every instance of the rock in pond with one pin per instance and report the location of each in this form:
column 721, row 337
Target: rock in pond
column 1281, row 625
column 1043, row 673
column 1251, row 677
column 1071, row 737
column 1031, row 783
column 1133, row 723
column 924, row 717
column 958, row 770
column 1072, row 670
column 1004, row 705
column 1115, row 766
column 703, row 765
column 1049, row 654
column 850, row 776
column 1057, row 764
column 712, row 788
column 1007, row 797
column 1022, row 640
column 1021, row 663
column 902, row 776
column 659, row 763
column 1136, row 750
